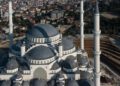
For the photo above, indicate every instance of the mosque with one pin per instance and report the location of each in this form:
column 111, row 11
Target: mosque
column 45, row 55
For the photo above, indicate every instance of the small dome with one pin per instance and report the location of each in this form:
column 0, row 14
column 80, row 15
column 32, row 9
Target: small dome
column 16, row 84
column 67, row 43
column 55, row 66
column 71, row 57
column 6, row 83
column 25, row 83
column 60, row 84
column 51, row 82
column 40, row 53
column 69, row 63
column 39, row 82
column 12, row 64
column 84, row 82
column 42, row 31
column 72, row 83
column 83, row 61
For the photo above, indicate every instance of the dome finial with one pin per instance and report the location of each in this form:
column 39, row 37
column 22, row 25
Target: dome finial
column 97, row 7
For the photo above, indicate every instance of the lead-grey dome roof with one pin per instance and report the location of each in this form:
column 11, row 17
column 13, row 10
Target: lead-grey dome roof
column 83, row 60
column 55, row 66
column 69, row 63
column 40, row 53
column 72, row 83
column 6, row 83
column 67, row 43
column 25, row 83
column 71, row 57
column 42, row 31
column 12, row 64
column 85, row 82
column 38, row 82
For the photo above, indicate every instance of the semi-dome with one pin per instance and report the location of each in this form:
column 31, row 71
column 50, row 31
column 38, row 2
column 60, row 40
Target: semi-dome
column 40, row 53
column 55, row 66
column 42, row 31
column 72, row 83
column 67, row 43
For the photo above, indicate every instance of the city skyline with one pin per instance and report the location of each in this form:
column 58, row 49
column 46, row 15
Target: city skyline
column 47, row 45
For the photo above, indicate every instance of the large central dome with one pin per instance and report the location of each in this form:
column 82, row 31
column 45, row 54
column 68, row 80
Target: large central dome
column 42, row 31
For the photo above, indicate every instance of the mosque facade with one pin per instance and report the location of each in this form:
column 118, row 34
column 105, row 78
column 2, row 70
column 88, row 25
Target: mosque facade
column 43, row 54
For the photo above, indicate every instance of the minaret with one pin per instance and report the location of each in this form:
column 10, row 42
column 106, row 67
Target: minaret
column 10, row 23
column 97, row 51
column 1, row 12
column 82, row 24
column 60, row 50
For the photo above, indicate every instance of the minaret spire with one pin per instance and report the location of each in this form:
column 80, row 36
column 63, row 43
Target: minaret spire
column 82, row 24
column 1, row 12
column 97, row 51
column 10, row 23
column 97, row 7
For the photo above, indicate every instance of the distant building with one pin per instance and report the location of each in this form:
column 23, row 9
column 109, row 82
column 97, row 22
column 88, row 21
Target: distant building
column 57, row 14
